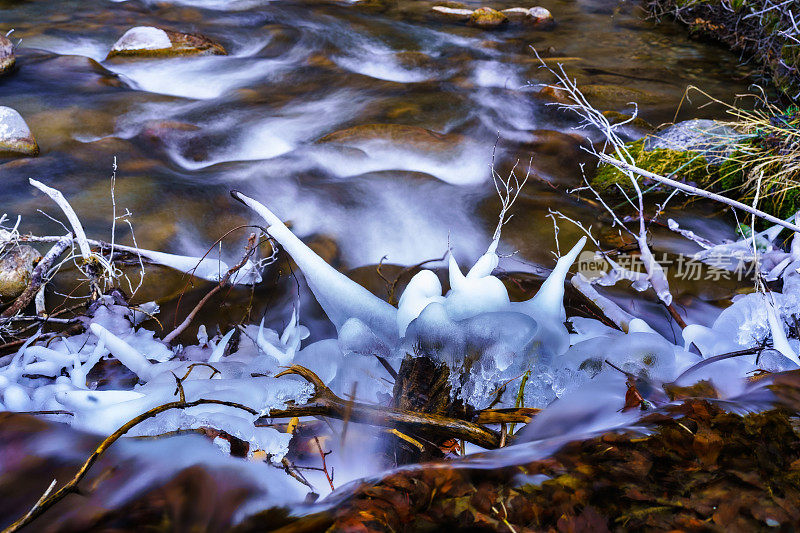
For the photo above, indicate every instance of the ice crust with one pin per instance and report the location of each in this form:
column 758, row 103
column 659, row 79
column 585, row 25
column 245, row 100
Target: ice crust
column 143, row 38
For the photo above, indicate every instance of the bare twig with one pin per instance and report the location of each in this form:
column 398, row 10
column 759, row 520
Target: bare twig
column 218, row 287
column 323, row 455
column 46, row 503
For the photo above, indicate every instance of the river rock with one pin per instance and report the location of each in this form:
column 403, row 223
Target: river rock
column 541, row 17
column 412, row 137
column 16, row 267
column 16, row 138
column 149, row 41
column 708, row 137
column 538, row 16
column 456, row 14
column 516, row 13
column 7, row 58
column 486, row 17
column 604, row 97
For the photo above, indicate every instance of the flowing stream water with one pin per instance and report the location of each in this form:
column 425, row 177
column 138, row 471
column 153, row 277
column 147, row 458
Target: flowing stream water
column 186, row 131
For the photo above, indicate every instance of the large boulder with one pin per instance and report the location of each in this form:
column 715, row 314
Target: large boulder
column 7, row 58
column 149, row 41
column 16, row 266
column 16, row 138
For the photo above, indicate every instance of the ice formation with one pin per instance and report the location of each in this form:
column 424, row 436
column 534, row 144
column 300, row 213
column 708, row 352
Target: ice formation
column 474, row 328
column 143, row 38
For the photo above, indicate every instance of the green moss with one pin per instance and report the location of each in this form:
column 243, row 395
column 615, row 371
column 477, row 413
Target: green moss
column 688, row 166
column 728, row 178
column 790, row 53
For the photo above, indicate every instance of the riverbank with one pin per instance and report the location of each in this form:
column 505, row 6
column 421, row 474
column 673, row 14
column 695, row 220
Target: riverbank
column 765, row 30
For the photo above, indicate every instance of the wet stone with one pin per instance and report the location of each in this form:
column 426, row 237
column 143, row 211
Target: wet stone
column 16, row 266
column 148, row 41
column 541, row 17
column 486, row 17
column 457, row 14
column 7, row 57
column 16, row 138
column 536, row 16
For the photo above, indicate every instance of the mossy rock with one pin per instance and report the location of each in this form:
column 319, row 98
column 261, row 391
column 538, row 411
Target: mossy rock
column 727, row 177
column 686, row 166
column 149, row 42
column 486, row 17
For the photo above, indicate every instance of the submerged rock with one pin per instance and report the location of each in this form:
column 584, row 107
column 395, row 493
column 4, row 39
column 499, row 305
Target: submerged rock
column 16, row 266
column 7, row 58
column 486, row 17
column 604, row 97
column 636, row 122
column 408, row 136
column 149, row 41
column 16, row 138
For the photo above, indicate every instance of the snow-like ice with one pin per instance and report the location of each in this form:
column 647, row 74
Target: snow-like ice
column 484, row 338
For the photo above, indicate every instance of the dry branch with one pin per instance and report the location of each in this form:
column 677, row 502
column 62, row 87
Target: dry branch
column 218, row 287
column 46, row 503
column 325, row 403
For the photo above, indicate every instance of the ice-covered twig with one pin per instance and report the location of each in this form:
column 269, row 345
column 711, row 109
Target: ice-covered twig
column 340, row 297
column 689, row 234
column 216, row 355
column 611, row 310
column 77, row 228
column 550, row 297
column 199, row 267
column 123, row 351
